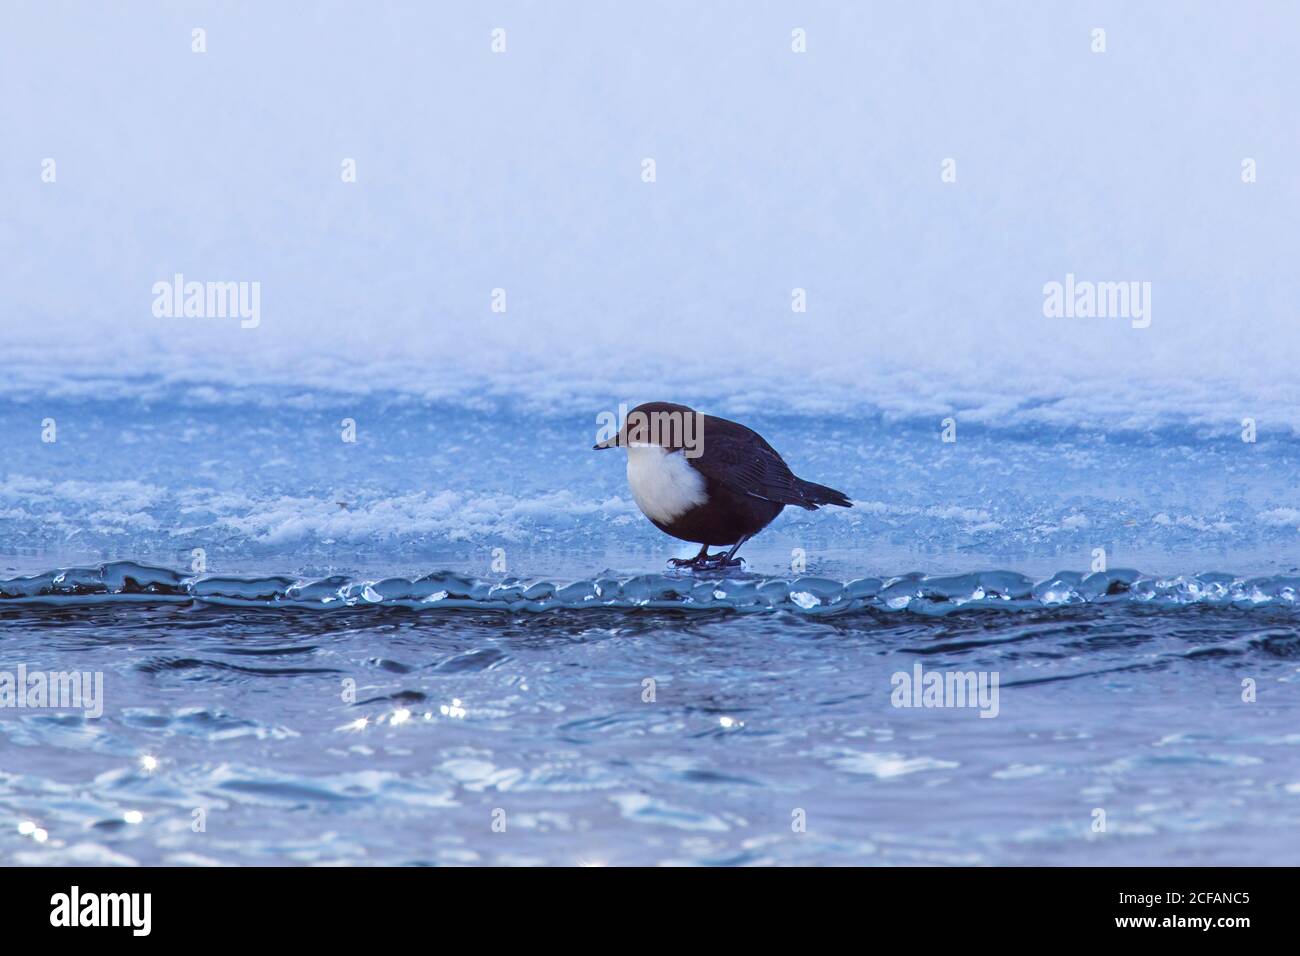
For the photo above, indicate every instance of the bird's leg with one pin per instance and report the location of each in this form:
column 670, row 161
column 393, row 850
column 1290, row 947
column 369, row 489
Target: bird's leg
column 708, row 562
column 700, row 559
column 713, row 562
column 729, row 560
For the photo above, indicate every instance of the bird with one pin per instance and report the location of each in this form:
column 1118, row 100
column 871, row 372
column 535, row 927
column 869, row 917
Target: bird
column 708, row 480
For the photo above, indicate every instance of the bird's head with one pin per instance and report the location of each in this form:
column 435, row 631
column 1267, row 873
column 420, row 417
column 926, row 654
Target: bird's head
column 672, row 427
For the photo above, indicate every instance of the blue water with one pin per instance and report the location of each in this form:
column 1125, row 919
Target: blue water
column 347, row 677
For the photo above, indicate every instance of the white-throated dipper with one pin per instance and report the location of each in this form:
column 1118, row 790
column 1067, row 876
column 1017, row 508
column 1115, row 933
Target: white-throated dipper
column 709, row 480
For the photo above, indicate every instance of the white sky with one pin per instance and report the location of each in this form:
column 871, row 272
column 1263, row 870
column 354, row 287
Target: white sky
column 774, row 170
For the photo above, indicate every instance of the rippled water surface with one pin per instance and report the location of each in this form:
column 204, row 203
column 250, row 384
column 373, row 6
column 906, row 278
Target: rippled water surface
column 757, row 721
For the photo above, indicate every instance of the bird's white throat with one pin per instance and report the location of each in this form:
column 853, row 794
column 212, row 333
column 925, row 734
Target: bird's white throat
column 664, row 484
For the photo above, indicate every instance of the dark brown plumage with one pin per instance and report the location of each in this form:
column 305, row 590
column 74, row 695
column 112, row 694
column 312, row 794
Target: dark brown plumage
column 745, row 482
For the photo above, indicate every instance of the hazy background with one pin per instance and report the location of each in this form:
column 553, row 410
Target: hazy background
column 775, row 170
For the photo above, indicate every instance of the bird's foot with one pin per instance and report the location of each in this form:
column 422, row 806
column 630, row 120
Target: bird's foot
column 707, row 562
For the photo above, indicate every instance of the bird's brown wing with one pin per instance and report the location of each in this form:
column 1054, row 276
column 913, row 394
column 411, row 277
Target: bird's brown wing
column 740, row 460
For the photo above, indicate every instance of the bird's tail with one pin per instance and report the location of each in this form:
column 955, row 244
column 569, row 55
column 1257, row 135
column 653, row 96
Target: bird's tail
column 816, row 495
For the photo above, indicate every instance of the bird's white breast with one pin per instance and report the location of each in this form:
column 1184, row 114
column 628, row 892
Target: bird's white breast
column 664, row 484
